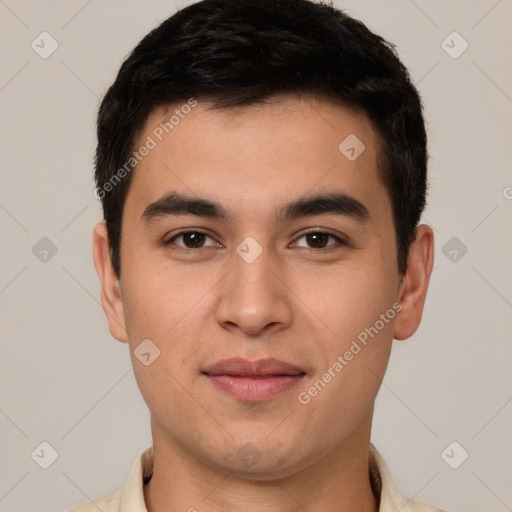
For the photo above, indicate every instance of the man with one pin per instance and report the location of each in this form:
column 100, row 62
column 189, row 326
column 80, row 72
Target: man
column 262, row 170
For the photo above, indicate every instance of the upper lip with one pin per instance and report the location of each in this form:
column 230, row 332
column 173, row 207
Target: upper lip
column 244, row 368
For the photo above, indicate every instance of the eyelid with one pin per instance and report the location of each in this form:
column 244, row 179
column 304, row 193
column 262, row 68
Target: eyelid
column 339, row 238
column 184, row 232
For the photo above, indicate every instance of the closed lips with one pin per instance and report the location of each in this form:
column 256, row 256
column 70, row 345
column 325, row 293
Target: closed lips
column 238, row 367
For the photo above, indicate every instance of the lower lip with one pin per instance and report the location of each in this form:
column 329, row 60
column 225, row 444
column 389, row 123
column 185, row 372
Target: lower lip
column 255, row 389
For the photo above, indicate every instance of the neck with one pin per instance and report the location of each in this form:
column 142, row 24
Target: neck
column 338, row 480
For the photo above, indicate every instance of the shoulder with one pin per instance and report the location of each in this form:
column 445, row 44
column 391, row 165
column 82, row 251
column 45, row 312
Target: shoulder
column 131, row 494
column 109, row 503
column 391, row 500
column 416, row 506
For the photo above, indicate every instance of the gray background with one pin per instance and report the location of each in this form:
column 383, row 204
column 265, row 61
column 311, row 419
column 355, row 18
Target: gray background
column 65, row 381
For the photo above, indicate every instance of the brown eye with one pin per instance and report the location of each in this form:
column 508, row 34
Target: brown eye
column 319, row 240
column 193, row 240
column 190, row 240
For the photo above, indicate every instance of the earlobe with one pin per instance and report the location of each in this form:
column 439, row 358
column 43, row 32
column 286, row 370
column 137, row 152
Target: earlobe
column 414, row 285
column 111, row 298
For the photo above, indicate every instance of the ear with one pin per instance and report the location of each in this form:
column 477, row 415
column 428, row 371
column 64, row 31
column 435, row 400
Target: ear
column 414, row 285
column 111, row 298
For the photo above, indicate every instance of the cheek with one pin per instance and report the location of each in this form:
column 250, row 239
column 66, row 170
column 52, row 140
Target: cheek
column 358, row 304
column 349, row 297
column 159, row 306
column 155, row 297
column 169, row 401
column 171, row 306
column 343, row 390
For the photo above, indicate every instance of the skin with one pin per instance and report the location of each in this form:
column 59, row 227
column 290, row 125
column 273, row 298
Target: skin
column 296, row 302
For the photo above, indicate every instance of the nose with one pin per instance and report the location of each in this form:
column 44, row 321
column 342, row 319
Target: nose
column 253, row 298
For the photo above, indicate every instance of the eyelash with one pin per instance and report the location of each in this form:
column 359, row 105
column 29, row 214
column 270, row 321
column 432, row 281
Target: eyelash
column 312, row 230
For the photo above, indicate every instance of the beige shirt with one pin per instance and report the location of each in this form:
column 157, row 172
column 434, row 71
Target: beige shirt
column 130, row 497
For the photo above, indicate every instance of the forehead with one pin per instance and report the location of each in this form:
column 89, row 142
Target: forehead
column 254, row 158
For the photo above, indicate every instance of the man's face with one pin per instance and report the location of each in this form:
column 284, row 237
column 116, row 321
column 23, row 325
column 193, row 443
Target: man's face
column 255, row 285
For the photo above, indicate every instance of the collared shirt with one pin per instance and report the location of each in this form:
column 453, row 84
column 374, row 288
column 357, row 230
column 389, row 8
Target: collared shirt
column 130, row 497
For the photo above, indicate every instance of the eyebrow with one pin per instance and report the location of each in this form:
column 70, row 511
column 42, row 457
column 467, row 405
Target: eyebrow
column 317, row 204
